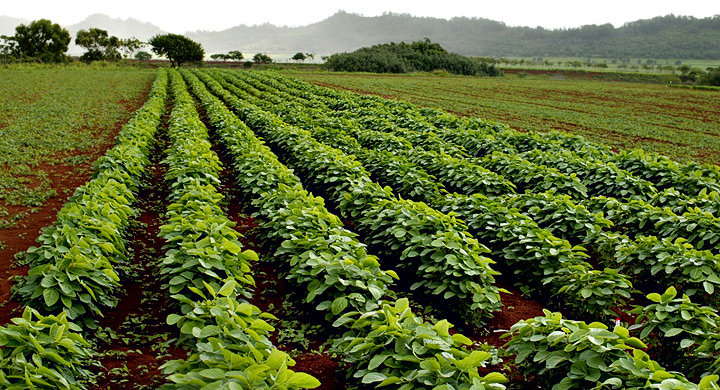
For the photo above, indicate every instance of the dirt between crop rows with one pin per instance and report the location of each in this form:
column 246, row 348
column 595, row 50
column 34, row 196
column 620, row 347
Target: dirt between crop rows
column 65, row 178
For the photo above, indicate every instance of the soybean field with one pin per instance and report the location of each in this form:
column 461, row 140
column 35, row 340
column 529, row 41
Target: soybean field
column 250, row 230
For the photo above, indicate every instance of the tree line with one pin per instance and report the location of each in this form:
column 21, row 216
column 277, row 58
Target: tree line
column 47, row 42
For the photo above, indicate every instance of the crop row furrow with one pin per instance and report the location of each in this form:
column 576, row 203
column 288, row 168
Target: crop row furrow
column 626, row 364
column 72, row 276
column 579, row 287
column 207, row 272
column 339, row 276
column 423, row 242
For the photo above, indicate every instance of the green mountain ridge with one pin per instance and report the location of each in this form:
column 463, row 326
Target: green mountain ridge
column 670, row 36
column 660, row 37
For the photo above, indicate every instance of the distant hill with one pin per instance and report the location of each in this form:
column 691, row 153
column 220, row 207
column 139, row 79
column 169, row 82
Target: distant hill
column 670, row 36
column 121, row 28
column 8, row 23
column 661, row 37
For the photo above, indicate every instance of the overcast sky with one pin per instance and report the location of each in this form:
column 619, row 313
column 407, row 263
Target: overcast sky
column 180, row 16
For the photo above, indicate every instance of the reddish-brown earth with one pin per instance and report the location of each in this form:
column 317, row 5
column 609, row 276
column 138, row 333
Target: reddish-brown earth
column 143, row 341
column 64, row 178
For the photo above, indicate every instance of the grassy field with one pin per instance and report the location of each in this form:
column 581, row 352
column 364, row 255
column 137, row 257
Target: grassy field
column 681, row 123
column 54, row 122
column 190, row 195
column 50, row 117
column 609, row 64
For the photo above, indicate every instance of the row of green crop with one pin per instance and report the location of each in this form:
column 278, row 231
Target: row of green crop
column 701, row 345
column 461, row 144
column 385, row 342
column 700, row 228
column 696, row 269
column 688, row 178
column 73, row 272
column 524, row 175
column 423, row 247
column 549, row 262
column 207, row 273
column 486, row 137
column 635, row 218
column 652, row 262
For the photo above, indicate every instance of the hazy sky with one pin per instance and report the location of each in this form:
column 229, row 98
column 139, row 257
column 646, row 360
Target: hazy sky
column 180, row 16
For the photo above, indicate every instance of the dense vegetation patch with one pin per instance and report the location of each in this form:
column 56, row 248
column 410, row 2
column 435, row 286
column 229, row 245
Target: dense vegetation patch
column 420, row 56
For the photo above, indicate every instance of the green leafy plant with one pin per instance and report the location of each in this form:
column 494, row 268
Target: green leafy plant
column 566, row 354
column 683, row 334
column 392, row 346
column 43, row 352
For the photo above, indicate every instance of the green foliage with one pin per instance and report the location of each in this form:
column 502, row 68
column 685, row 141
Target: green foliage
column 528, row 176
column 338, row 272
column 99, row 45
column 560, row 216
column 542, row 262
column 657, row 263
column 601, row 178
column 128, row 46
column 48, row 115
column 43, row 352
column 535, row 105
column 74, row 268
column 235, row 55
column 700, row 229
column 42, row 40
column 460, row 175
column 262, row 58
column 680, row 203
column 393, row 346
column 346, row 181
column 177, row 48
column 565, row 354
column 683, row 334
column 575, row 281
column 143, row 56
column 712, row 77
column 328, row 259
column 665, row 173
column 208, row 272
column 395, row 135
column 447, row 260
column 231, row 346
column 420, row 56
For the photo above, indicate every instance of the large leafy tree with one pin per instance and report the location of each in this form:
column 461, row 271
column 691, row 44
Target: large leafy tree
column 129, row 45
column 177, row 48
column 261, row 58
column 235, row 55
column 99, row 45
column 143, row 56
column 42, row 40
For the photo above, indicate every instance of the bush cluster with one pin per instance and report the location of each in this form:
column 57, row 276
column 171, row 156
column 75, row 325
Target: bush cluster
column 420, row 56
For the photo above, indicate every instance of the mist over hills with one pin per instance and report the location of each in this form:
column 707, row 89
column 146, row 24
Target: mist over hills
column 668, row 36
column 8, row 23
column 661, row 37
column 121, row 28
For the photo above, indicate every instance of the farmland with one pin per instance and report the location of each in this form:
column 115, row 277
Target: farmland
column 236, row 208
column 680, row 123
column 54, row 122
